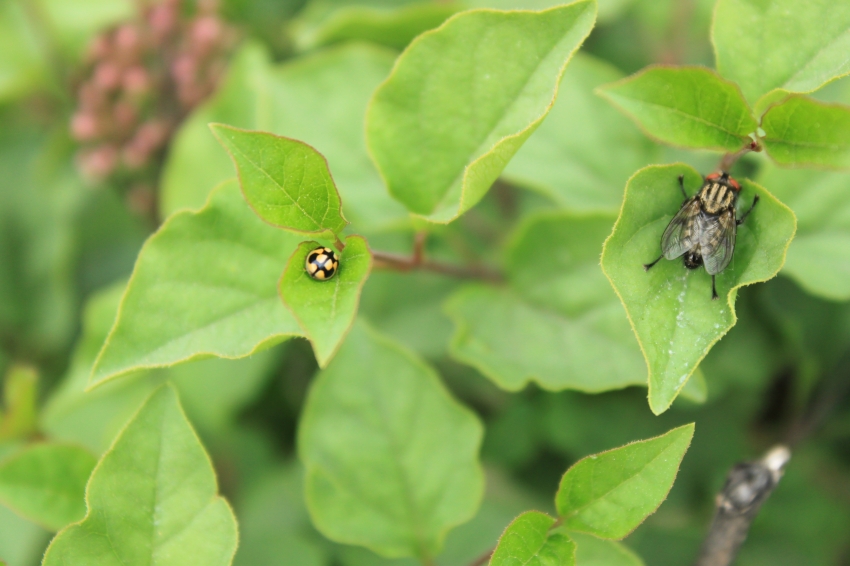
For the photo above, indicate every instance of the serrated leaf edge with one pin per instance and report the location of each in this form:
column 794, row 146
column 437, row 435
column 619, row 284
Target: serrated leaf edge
column 691, row 426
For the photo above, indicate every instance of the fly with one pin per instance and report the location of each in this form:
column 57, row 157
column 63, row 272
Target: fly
column 703, row 231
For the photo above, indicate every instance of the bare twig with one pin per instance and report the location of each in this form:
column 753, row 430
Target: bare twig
column 748, row 485
column 417, row 260
column 728, row 160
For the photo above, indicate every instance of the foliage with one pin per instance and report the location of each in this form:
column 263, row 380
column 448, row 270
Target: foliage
column 472, row 383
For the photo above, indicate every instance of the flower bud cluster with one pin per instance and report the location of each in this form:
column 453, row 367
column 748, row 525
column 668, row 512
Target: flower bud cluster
column 141, row 78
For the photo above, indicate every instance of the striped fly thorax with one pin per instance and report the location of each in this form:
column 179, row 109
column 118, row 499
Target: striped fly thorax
column 716, row 197
column 703, row 232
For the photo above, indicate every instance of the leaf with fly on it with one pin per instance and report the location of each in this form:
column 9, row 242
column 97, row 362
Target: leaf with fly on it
column 670, row 307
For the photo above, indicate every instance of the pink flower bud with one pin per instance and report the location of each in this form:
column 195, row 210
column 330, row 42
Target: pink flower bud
column 151, row 135
column 205, row 33
column 163, row 19
column 128, row 40
column 91, row 97
column 84, row 127
column 107, row 76
column 136, row 80
column 98, row 163
column 184, row 69
column 134, row 157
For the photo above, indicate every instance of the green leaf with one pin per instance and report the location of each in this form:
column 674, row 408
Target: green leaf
column 819, row 257
column 319, row 99
column 21, row 542
column 212, row 390
column 528, row 541
column 205, row 284
column 274, row 527
column 592, row 551
column 20, row 396
column 327, row 22
column 462, row 99
column 326, row 309
column 804, row 132
column 23, row 68
column 685, row 106
column 46, row 483
column 40, row 195
column 285, row 181
column 584, row 152
column 670, row 307
column 794, row 45
column 561, row 325
column 608, row 9
column 391, row 458
column 609, row 494
column 151, row 499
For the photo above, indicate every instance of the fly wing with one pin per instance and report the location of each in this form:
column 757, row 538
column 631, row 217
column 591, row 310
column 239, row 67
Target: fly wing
column 717, row 240
column 679, row 237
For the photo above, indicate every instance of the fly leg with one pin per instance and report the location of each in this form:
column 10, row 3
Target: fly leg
column 713, row 289
column 648, row 266
column 682, row 186
column 744, row 217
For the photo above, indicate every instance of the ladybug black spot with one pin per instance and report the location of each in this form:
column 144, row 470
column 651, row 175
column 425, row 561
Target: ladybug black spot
column 321, row 264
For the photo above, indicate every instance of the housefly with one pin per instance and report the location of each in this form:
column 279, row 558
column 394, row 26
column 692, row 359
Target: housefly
column 703, row 231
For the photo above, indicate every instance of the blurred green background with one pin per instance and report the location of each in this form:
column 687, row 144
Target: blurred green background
column 85, row 179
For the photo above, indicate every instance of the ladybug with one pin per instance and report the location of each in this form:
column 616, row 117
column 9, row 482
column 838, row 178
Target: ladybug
column 703, row 231
column 321, row 263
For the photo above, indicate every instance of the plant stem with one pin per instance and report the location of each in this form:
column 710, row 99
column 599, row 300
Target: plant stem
column 748, row 485
column 730, row 159
column 387, row 260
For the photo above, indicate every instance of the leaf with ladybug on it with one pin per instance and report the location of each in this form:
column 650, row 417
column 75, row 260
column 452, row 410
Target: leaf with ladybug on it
column 670, row 307
column 325, row 308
